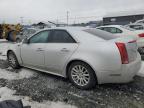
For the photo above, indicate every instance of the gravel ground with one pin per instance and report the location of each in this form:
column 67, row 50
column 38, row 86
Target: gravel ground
column 43, row 87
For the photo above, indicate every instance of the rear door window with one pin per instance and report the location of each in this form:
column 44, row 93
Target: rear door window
column 113, row 30
column 60, row 36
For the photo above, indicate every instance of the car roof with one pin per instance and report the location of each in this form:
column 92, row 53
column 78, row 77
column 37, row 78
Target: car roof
column 110, row 26
column 65, row 28
column 78, row 33
column 136, row 24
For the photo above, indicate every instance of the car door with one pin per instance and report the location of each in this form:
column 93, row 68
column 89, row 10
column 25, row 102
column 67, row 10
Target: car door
column 32, row 53
column 61, row 45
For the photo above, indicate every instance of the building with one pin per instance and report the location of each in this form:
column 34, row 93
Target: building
column 91, row 24
column 94, row 24
column 122, row 18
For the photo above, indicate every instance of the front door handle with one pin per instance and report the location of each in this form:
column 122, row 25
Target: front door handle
column 39, row 49
column 64, row 50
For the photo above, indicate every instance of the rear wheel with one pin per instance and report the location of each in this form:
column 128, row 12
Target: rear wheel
column 12, row 60
column 82, row 75
column 141, row 51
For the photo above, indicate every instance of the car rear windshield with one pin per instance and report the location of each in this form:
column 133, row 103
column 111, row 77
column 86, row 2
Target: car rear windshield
column 100, row 33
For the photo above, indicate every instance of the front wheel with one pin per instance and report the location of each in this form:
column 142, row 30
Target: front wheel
column 12, row 60
column 82, row 75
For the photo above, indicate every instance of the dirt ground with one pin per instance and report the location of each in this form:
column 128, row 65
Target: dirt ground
column 41, row 87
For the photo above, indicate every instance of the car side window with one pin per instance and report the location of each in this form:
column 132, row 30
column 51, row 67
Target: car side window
column 118, row 30
column 41, row 37
column 112, row 30
column 60, row 36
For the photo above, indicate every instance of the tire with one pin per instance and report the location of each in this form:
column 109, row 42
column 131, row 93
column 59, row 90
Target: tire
column 88, row 80
column 12, row 60
column 141, row 51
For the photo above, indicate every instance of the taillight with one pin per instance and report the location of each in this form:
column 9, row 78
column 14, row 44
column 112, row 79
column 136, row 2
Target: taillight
column 141, row 35
column 123, row 52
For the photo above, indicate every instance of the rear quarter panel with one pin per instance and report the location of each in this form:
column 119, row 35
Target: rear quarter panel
column 101, row 56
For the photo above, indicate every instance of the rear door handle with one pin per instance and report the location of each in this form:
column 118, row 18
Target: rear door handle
column 39, row 49
column 64, row 50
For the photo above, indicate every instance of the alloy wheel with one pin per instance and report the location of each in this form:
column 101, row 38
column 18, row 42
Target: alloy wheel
column 80, row 75
column 12, row 60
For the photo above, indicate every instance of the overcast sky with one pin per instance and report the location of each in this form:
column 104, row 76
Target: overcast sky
column 79, row 10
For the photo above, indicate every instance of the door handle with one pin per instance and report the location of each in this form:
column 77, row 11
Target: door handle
column 64, row 50
column 39, row 49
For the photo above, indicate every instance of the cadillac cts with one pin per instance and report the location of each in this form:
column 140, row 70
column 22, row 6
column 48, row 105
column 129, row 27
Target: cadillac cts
column 76, row 54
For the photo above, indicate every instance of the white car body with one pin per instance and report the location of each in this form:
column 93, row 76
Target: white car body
column 139, row 21
column 138, row 26
column 102, row 56
column 127, row 32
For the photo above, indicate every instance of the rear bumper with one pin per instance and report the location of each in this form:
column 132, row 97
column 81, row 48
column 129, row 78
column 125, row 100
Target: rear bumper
column 124, row 75
column 130, row 70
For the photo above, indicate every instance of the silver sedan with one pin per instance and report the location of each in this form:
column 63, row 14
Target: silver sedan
column 77, row 54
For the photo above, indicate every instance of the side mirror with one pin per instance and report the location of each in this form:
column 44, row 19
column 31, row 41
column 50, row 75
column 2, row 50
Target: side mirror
column 26, row 41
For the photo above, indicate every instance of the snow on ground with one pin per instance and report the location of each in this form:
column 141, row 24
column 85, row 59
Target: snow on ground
column 141, row 72
column 8, row 94
column 3, row 57
column 4, row 45
column 3, row 40
column 23, row 73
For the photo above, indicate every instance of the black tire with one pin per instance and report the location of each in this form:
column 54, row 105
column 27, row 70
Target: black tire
column 10, row 56
column 141, row 51
column 92, row 77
